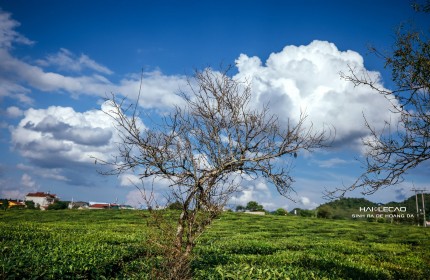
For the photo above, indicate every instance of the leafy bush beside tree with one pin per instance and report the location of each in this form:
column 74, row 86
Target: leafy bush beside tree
column 29, row 204
column 58, row 205
column 4, row 204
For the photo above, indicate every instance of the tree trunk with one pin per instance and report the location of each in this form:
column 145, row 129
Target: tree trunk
column 180, row 231
column 189, row 248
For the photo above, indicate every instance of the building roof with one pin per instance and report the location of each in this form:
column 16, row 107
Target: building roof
column 15, row 202
column 103, row 205
column 79, row 203
column 41, row 194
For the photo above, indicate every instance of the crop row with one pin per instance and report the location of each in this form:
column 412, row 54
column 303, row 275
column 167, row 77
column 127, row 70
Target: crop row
column 243, row 247
column 62, row 250
column 111, row 245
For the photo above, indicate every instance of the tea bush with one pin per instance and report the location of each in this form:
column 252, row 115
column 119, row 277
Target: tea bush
column 66, row 250
column 273, row 247
column 111, row 244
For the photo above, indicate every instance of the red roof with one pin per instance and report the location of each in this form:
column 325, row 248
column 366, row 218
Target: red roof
column 103, row 205
column 98, row 205
column 42, row 194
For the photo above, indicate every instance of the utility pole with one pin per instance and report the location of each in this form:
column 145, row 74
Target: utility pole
column 423, row 204
column 416, row 205
column 424, row 210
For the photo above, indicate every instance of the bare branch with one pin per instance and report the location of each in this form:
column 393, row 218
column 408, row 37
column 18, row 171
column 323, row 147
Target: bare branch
column 404, row 145
column 205, row 147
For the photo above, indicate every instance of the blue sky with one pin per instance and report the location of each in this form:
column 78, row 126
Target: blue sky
column 59, row 59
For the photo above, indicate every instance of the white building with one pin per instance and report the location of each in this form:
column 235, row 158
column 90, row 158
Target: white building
column 41, row 199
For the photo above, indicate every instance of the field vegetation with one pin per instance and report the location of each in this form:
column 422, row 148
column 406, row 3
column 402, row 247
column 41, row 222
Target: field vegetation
column 113, row 244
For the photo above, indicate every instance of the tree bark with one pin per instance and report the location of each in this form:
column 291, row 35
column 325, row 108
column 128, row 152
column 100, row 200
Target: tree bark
column 180, row 230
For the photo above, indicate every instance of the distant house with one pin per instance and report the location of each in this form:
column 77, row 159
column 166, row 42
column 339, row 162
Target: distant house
column 14, row 203
column 41, row 199
column 261, row 213
column 78, row 205
column 102, row 205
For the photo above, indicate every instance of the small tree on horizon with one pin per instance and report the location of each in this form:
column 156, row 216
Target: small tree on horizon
column 253, row 206
column 324, row 212
column 175, row 206
column 280, row 212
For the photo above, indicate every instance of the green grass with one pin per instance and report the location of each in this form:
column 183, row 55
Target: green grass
column 111, row 245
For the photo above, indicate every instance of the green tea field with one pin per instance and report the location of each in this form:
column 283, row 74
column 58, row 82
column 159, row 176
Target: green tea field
column 110, row 244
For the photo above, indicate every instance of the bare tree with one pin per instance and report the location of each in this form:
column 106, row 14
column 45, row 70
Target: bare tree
column 206, row 145
column 405, row 144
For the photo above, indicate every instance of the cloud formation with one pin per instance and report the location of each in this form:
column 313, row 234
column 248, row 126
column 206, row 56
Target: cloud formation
column 331, row 162
column 57, row 141
column 8, row 35
column 59, row 137
column 23, row 77
column 306, row 79
column 12, row 189
column 81, row 135
column 19, row 78
column 14, row 112
column 158, row 91
column 66, row 60
column 28, row 182
column 253, row 190
column 295, row 80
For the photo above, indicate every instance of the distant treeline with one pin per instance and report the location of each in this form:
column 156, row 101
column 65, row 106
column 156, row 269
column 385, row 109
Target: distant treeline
column 361, row 208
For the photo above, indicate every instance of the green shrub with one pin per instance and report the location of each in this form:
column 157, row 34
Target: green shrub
column 280, row 212
column 324, row 212
column 29, row 204
column 58, row 205
column 74, row 244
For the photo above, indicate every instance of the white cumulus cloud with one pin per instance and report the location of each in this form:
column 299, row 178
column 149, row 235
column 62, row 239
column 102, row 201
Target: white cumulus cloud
column 14, row 112
column 60, row 137
column 306, row 79
column 18, row 189
column 253, row 190
column 157, row 90
column 28, row 182
column 307, row 203
column 128, row 179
